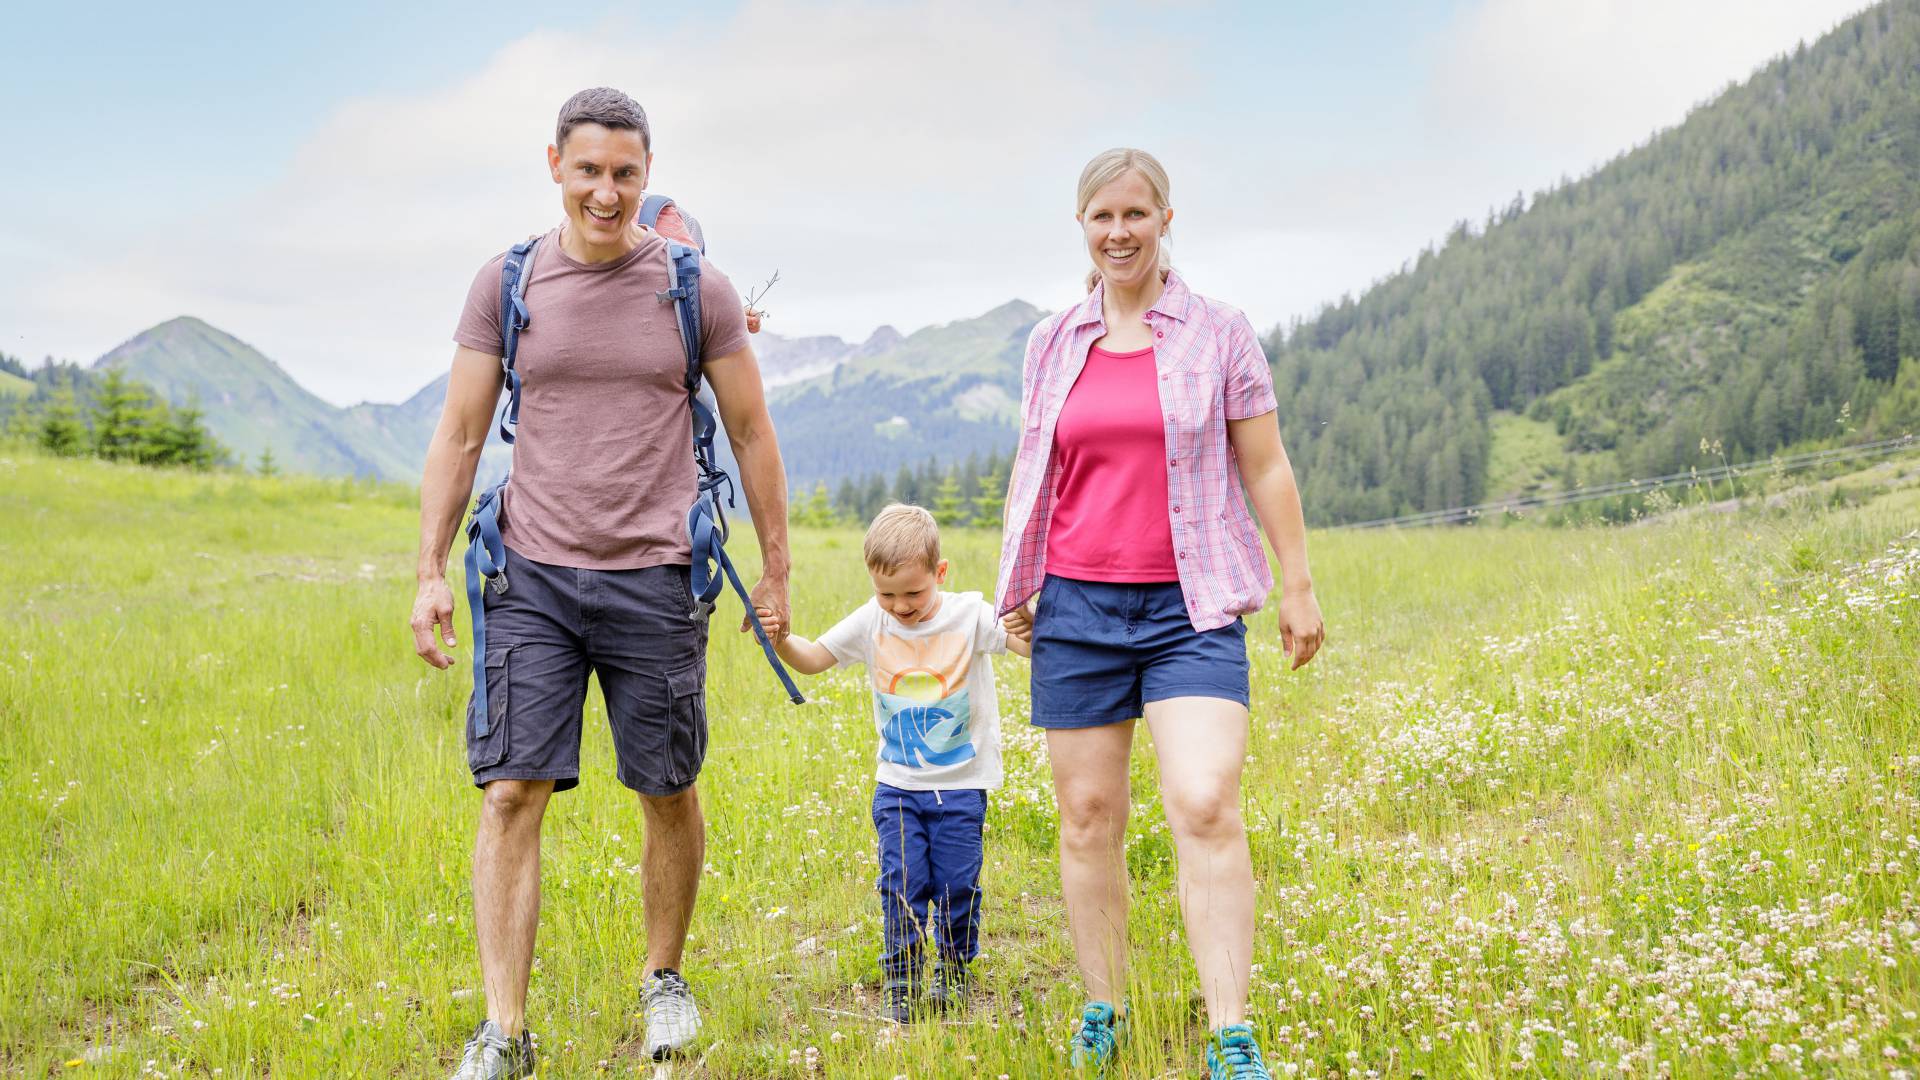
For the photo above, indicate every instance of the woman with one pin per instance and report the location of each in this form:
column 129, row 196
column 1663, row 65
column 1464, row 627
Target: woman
column 1145, row 409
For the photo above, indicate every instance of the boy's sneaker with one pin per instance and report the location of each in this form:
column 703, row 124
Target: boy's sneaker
column 896, row 1000
column 1095, row 1044
column 491, row 1055
column 1233, row 1055
column 948, row 989
column 672, row 1019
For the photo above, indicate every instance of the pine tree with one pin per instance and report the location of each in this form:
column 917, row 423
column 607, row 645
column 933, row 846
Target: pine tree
column 121, row 417
column 949, row 508
column 991, row 503
column 62, row 432
column 267, row 465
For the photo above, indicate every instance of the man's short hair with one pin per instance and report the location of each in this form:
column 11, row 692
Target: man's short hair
column 902, row 534
column 607, row 107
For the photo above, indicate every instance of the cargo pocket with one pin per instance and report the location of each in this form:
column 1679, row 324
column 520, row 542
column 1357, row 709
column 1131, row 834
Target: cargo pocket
column 486, row 751
column 686, row 722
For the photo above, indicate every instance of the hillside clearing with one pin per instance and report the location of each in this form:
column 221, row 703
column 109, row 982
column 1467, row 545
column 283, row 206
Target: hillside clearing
column 1553, row 802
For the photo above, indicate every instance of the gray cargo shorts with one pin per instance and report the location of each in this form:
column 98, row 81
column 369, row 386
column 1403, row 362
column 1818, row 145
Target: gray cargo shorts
column 632, row 628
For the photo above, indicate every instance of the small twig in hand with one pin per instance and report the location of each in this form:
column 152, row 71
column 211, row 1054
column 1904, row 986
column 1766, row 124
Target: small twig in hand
column 754, row 296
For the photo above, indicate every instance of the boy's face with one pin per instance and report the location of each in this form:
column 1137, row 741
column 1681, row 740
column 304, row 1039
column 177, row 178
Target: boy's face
column 910, row 593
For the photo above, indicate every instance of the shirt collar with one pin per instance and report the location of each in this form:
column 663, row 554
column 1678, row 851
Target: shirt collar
column 1175, row 300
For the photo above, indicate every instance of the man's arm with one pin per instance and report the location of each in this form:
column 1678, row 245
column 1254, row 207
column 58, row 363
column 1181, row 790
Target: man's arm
column 445, row 485
column 735, row 379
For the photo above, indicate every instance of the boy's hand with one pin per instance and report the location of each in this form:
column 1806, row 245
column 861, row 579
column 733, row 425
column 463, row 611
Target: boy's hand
column 771, row 623
column 1019, row 623
column 753, row 320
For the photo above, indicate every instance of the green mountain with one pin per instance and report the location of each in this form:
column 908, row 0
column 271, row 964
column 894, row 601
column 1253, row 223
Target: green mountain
column 1744, row 282
column 943, row 392
column 252, row 404
column 842, row 409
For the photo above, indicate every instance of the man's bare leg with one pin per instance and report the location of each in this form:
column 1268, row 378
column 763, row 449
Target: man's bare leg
column 506, row 894
column 674, row 852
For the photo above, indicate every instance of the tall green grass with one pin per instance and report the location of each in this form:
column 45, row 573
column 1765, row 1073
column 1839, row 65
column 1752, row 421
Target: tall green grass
column 1552, row 802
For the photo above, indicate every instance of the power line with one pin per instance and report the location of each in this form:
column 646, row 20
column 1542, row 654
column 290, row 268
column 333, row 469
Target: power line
column 1790, row 463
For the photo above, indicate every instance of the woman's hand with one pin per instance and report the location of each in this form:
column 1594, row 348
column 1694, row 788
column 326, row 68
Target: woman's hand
column 1301, row 630
column 1019, row 623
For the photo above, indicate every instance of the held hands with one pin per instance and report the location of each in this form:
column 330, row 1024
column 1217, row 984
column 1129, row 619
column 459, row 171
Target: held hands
column 1018, row 623
column 770, row 604
column 1301, row 630
column 433, row 610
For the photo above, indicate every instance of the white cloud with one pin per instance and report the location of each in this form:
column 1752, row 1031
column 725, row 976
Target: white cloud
column 1582, row 80
column 898, row 164
column 895, row 164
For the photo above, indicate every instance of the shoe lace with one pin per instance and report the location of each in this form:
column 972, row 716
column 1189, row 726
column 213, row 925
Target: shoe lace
column 1243, row 1061
column 670, row 1001
column 484, row 1051
column 1095, row 1035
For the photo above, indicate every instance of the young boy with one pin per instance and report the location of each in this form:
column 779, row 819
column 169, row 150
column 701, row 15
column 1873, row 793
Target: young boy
column 939, row 722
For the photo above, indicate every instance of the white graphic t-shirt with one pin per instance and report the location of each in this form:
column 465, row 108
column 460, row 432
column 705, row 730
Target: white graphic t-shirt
column 934, row 701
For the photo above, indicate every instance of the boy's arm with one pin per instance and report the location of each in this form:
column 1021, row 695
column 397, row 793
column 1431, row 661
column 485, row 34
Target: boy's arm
column 803, row 656
column 1020, row 646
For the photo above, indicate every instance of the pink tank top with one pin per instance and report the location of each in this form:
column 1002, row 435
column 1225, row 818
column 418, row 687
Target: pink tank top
column 1110, row 519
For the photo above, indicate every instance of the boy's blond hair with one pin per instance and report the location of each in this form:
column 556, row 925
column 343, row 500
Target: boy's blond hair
column 901, row 534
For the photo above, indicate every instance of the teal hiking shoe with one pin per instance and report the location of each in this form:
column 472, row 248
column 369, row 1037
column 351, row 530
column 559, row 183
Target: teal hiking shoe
column 1233, row 1055
column 491, row 1055
column 1095, row 1044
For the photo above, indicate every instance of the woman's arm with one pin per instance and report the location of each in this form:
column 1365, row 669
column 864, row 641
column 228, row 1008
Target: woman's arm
column 1276, row 501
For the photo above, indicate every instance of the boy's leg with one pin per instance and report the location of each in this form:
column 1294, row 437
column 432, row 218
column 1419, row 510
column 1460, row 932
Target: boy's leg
column 957, row 839
column 905, row 881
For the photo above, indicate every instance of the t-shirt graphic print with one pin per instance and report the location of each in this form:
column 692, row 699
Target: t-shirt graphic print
column 935, row 706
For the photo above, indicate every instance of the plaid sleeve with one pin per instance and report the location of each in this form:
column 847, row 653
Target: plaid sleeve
column 1249, row 382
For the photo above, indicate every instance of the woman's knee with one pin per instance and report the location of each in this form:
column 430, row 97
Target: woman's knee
column 1204, row 811
column 1092, row 818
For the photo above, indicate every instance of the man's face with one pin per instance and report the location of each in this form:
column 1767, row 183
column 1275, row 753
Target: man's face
column 910, row 593
column 601, row 173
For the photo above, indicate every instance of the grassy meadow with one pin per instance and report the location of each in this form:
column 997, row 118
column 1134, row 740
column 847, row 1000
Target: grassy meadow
column 1637, row 802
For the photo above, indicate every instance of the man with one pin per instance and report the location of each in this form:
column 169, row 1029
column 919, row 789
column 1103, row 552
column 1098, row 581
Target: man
column 594, row 522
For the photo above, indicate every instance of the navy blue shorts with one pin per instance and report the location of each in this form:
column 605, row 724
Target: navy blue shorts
column 636, row 631
column 1102, row 650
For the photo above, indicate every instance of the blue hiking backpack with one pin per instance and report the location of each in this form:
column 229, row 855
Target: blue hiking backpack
column 712, row 570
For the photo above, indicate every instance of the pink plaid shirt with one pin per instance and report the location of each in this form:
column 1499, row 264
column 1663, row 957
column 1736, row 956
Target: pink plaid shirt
column 1211, row 370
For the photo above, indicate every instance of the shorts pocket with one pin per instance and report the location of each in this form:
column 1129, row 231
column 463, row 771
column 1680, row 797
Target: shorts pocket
column 686, row 722
column 485, row 751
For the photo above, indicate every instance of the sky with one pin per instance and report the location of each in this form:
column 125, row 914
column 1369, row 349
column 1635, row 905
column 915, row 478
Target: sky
column 323, row 181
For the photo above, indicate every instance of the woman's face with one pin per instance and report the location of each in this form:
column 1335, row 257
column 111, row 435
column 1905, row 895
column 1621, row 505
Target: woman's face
column 1123, row 228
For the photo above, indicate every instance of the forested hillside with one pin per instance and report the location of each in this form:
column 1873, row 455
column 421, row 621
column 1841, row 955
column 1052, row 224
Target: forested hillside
column 1746, row 281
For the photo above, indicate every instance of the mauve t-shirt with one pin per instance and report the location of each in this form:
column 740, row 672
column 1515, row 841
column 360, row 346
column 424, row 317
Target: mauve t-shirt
column 603, row 468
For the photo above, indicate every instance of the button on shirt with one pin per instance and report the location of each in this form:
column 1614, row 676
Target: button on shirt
column 1211, row 370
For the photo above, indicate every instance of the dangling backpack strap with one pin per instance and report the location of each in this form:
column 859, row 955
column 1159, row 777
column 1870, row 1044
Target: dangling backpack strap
column 712, row 570
column 486, row 561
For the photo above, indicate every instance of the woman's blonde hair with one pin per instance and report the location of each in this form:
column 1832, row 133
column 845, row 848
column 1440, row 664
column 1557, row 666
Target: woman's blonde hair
column 902, row 535
column 1113, row 164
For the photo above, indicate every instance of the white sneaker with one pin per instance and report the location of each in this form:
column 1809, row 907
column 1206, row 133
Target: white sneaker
column 672, row 1018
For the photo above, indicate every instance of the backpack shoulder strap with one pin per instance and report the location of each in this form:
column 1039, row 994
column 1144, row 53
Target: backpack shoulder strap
column 515, row 269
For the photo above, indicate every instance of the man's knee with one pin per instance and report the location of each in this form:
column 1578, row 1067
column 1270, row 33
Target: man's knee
column 514, row 801
column 672, row 811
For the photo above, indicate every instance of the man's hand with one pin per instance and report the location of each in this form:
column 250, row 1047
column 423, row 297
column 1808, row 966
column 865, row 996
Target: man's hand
column 769, row 597
column 433, row 611
column 1301, row 630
